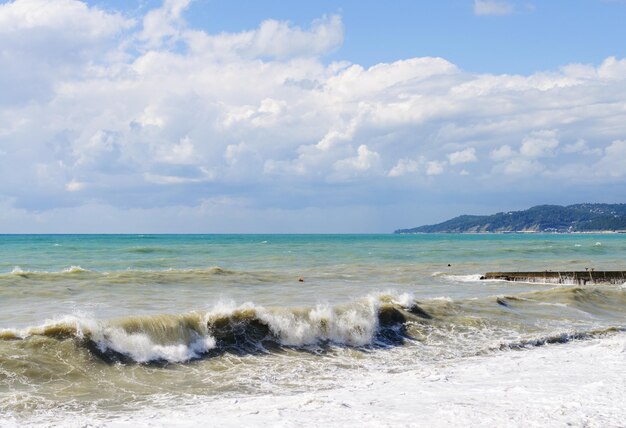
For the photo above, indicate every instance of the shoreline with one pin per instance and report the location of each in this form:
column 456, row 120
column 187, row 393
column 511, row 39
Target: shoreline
column 579, row 383
column 517, row 232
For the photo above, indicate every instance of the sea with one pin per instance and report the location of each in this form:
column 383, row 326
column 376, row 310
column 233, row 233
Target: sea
column 309, row 330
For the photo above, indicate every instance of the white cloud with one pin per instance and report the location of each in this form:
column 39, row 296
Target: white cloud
column 579, row 146
column 434, row 168
column 502, row 153
column 612, row 68
column 613, row 163
column 539, row 144
column 525, row 167
column 159, row 113
column 202, row 175
column 277, row 39
column 404, row 166
column 163, row 22
column 43, row 42
column 493, row 7
column 463, row 156
column 179, row 153
column 66, row 17
column 234, row 152
column 363, row 161
column 74, row 186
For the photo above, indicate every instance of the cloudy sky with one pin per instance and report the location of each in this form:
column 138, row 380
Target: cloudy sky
column 335, row 116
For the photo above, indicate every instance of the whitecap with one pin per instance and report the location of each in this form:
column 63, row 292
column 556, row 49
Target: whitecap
column 142, row 349
column 464, row 278
column 74, row 269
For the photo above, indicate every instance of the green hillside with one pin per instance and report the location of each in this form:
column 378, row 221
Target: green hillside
column 542, row 218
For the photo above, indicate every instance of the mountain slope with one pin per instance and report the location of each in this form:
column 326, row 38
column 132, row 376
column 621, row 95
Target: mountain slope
column 542, row 218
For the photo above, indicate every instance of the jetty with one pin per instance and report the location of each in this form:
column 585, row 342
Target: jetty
column 560, row 277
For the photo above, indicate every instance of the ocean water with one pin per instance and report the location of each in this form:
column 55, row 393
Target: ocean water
column 131, row 329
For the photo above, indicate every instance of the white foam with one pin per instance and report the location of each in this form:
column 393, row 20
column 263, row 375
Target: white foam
column 18, row 271
column 404, row 299
column 74, row 269
column 141, row 348
column 354, row 324
column 464, row 278
column 575, row 384
column 138, row 346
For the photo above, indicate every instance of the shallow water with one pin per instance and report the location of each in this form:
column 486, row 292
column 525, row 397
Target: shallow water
column 107, row 325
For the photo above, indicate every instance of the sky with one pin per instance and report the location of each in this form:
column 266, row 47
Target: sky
column 241, row 116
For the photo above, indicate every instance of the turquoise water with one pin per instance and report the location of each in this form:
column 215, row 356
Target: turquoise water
column 156, row 252
column 114, row 275
column 311, row 254
column 103, row 324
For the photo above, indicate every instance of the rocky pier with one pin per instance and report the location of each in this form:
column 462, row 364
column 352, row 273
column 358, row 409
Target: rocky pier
column 561, row 277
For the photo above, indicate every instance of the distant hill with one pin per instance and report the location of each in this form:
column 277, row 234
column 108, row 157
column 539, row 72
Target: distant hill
column 542, row 218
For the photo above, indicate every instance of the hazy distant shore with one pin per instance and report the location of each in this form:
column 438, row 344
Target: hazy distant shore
column 520, row 232
column 579, row 218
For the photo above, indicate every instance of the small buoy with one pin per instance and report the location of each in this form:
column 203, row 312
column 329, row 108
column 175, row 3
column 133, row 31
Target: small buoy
column 300, row 279
column 449, row 265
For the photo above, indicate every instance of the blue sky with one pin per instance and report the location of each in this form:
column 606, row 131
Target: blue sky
column 327, row 116
column 534, row 36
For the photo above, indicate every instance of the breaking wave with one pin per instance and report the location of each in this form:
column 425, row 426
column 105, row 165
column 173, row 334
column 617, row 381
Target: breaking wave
column 379, row 320
column 373, row 321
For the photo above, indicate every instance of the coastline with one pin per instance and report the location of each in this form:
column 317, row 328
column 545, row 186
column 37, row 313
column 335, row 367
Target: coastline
column 518, row 232
column 578, row 383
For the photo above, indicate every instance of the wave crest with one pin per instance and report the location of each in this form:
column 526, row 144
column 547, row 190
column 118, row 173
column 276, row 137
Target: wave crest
column 373, row 321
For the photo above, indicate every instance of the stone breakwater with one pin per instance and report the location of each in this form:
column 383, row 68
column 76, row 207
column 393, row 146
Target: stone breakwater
column 561, row 277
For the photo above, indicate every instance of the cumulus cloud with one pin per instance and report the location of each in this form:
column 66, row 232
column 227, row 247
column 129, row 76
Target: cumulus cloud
column 404, row 166
column 613, row 163
column 462, row 156
column 502, row 153
column 149, row 113
column 493, row 7
column 36, row 18
column 44, row 41
column 277, row 39
column 582, row 147
column 163, row 23
column 578, row 146
column 434, row 168
column 74, row 186
column 365, row 160
column 522, row 166
column 539, row 144
column 179, row 153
